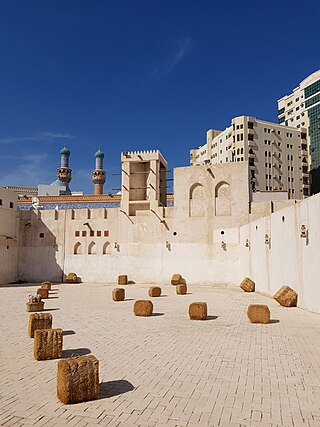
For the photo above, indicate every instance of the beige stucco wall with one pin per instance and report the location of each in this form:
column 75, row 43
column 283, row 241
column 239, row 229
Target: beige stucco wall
column 288, row 258
column 198, row 237
column 9, row 231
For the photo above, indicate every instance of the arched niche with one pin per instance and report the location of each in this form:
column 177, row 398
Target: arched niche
column 106, row 250
column 223, row 198
column 92, row 248
column 197, row 200
column 77, row 249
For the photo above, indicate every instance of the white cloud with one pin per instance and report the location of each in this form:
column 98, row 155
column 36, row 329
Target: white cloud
column 57, row 135
column 30, row 171
column 40, row 136
column 181, row 48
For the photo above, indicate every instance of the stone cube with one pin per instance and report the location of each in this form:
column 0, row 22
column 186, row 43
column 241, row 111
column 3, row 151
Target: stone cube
column 154, row 291
column 286, row 297
column 181, row 289
column 247, row 285
column 143, row 308
column 118, row 294
column 198, row 311
column 258, row 313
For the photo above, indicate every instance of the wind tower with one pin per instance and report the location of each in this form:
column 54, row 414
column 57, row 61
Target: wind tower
column 99, row 174
column 64, row 172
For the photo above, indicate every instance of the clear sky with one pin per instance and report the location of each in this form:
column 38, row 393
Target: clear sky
column 140, row 74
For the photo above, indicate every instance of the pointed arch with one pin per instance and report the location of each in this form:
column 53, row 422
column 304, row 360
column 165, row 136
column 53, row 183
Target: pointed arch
column 223, row 198
column 106, row 250
column 92, row 248
column 223, row 189
column 196, row 191
column 196, row 200
column 77, row 249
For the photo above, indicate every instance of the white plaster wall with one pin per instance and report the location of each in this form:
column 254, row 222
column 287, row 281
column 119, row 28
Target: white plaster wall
column 289, row 259
column 8, row 260
column 9, row 230
column 204, row 249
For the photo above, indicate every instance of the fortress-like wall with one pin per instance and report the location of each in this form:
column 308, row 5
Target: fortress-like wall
column 283, row 248
column 198, row 237
column 9, row 233
column 212, row 235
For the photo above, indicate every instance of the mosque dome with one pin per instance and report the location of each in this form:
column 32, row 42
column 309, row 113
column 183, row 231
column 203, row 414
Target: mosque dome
column 65, row 151
column 99, row 153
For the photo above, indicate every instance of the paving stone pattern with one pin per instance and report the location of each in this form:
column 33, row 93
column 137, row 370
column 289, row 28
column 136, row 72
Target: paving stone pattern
column 165, row 370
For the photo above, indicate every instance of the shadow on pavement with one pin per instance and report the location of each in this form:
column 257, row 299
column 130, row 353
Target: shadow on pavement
column 114, row 388
column 68, row 332
column 75, row 352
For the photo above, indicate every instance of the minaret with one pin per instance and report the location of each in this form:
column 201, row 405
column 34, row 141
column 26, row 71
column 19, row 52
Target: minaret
column 64, row 172
column 99, row 175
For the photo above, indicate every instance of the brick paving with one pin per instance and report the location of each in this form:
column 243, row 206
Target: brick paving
column 165, row 370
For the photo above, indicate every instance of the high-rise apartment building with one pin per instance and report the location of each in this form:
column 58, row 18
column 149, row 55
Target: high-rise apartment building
column 302, row 109
column 277, row 155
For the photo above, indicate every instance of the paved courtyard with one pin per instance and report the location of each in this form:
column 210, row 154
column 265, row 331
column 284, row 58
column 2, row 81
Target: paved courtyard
column 165, row 370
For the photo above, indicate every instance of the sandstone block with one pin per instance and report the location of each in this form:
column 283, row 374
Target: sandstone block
column 248, row 285
column 35, row 306
column 154, row 291
column 181, row 289
column 286, row 297
column 44, row 293
column 118, row 294
column 122, row 279
column 72, row 278
column 78, row 379
column 258, row 313
column 48, row 344
column 198, row 311
column 143, row 308
column 39, row 321
column 46, row 285
column 176, row 279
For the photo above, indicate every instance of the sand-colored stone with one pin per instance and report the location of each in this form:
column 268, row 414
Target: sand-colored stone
column 143, row 308
column 48, row 344
column 122, row 279
column 286, row 297
column 46, row 285
column 154, row 291
column 181, row 289
column 248, row 285
column 78, row 379
column 44, row 293
column 39, row 321
column 198, row 311
column 176, row 279
column 258, row 313
column 72, row 278
column 118, row 294
column 35, row 306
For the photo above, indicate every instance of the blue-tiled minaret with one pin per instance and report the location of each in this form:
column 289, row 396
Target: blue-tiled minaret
column 64, row 172
column 99, row 174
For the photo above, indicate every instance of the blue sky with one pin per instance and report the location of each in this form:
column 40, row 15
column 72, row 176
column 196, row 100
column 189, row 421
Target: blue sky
column 140, row 74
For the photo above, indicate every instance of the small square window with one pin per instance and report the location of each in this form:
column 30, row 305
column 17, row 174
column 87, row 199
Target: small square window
column 11, row 205
column 106, row 233
column 84, row 233
column 0, row 202
column 91, row 233
column 98, row 233
column 41, row 235
column 77, row 233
